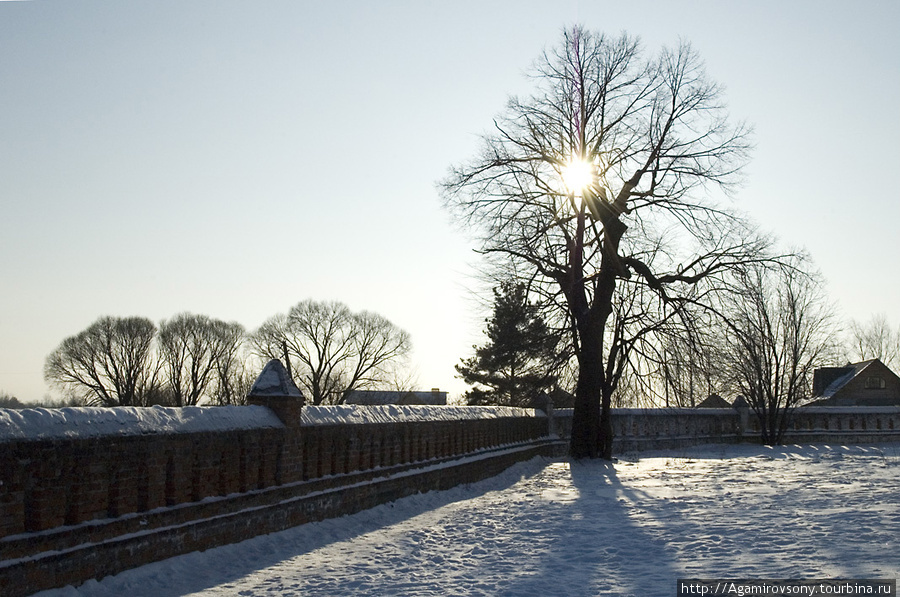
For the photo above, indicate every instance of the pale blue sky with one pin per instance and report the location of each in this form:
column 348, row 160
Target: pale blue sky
column 233, row 158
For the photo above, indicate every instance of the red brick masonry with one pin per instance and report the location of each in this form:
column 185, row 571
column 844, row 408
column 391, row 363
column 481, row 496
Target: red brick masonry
column 75, row 509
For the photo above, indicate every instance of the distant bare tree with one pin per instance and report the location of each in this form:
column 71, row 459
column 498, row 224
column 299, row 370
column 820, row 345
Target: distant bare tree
column 196, row 353
column 234, row 374
column 332, row 350
column 691, row 365
column 108, row 364
column 779, row 328
column 400, row 377
column 10, row 401
column 64, row 402
column 314, row 338
column 875, row 339
column 376, row 346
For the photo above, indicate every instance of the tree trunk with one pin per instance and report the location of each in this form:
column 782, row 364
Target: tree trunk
column 606, row 429
column 591, row 422
column 585, row 439
column 592, row 432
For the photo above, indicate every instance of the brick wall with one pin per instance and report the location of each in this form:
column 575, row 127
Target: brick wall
column 50, row 483
column 75, row 509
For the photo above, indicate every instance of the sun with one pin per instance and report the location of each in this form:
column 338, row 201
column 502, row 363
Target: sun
column 578, row 175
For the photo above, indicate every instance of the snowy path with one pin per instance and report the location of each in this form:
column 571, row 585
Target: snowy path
column 548, row 528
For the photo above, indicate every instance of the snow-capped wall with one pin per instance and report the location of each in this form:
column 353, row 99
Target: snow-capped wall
column 58, row 423
column 359, row 414
column 67, row 466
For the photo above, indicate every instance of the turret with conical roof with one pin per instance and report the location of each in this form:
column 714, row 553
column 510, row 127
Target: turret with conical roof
column 275, row 389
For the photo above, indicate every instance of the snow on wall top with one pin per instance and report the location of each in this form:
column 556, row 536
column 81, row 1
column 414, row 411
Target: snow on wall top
column 60, row 423
column 358, row 414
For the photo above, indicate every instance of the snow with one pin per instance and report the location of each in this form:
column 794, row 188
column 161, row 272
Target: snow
column 275, row 381
column 550, row 527
column 359, row 414
column 58, row 423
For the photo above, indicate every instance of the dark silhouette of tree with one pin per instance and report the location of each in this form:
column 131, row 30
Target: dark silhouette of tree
column 196, row 353
column 875, row 339
column 10, row 401
column 589, row 189
column 331, row 350
column 520, row 358
column 780, row 328
column 233, row 376
column 108, row 364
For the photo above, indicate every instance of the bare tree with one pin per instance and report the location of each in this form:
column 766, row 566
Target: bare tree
column 875, row 339
column 108, row 364
column 780, row 327
column 592, row 183
column 313, row 337
column 185, row 350
column 233, row 375
column 401, row 378
column 377, row 345
column 197, row 352
column 10, row 401
column 691, row 367
column 332, row 350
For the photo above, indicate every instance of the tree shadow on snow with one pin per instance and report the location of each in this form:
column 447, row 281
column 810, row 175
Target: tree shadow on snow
column 603, row 539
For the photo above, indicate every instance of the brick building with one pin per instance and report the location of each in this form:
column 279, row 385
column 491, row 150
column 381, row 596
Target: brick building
column 869, row 383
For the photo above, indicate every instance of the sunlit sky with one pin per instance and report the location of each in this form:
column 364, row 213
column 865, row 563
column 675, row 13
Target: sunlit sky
column 234, row 158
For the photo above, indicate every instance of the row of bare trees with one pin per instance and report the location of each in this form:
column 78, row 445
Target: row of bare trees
column 128, row 361
column 875, row 339
column 760, row 335
column 194, row 359
column 763, row 338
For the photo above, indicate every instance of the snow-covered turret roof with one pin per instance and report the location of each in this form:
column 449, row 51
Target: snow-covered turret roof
column 275, row 381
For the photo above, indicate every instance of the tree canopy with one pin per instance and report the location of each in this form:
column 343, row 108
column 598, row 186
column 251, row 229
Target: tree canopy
column 331, row 350
column 107, row 364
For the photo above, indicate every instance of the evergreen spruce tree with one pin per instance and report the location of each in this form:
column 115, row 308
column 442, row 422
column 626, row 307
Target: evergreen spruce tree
column 520, row 357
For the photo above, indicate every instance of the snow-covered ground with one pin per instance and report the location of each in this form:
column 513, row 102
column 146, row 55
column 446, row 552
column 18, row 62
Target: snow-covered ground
column 555, row 528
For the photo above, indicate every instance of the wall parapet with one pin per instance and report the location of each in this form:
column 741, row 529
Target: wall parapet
column 62, row 490
column 637, row 429
column 126, row 465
